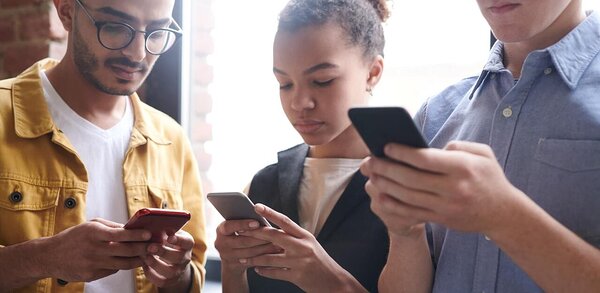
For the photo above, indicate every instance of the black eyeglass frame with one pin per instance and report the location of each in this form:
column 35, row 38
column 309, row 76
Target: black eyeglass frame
column 100, row 24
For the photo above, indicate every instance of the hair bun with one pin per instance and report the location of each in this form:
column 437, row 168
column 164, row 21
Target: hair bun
column 381, row 6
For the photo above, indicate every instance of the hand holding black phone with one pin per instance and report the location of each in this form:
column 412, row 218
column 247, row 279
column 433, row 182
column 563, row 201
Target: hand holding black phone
column 379, row 126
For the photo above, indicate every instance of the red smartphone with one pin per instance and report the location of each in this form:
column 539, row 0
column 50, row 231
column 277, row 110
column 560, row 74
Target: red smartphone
column 158, row 221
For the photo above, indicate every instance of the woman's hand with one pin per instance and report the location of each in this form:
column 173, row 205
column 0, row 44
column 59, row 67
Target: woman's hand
column 301, row 259
column 233, row 245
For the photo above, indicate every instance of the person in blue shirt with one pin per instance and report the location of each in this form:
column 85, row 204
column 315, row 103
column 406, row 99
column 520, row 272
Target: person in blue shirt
column 510, row 189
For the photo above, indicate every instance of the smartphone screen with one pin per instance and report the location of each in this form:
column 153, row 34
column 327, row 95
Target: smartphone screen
column 160, row 222
column 379, row 126
column 235, row 206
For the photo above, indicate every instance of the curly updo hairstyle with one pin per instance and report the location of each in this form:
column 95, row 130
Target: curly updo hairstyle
column 361, row 20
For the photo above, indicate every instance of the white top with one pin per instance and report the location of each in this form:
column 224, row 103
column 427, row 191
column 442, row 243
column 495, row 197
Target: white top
column 322, row 184
column 102, row 153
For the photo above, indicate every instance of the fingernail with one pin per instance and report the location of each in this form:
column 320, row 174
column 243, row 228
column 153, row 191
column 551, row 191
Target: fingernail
column 243, row 260
column 253, row 224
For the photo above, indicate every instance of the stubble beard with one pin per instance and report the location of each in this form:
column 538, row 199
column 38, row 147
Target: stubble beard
column 87, row 63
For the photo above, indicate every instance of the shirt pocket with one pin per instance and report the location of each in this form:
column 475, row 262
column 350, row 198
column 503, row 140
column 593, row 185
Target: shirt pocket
column 565, row 181
column 27, row 210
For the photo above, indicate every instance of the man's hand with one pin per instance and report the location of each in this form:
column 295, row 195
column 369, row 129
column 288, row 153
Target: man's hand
column 168, row 264
column 462, row 187
column 94, row 250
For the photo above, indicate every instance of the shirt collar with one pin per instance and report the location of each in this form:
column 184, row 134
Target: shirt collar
column 495, row 60
column 571, row 55
column 33, row 119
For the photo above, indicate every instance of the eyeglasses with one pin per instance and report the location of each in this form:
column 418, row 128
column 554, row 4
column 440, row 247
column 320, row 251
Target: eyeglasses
column 118, row 35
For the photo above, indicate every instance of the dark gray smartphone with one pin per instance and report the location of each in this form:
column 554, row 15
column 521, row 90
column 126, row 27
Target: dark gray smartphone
column 379, row 126
column 235, row 206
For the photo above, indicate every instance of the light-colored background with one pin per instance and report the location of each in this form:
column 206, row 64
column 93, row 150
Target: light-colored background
column 430, row 45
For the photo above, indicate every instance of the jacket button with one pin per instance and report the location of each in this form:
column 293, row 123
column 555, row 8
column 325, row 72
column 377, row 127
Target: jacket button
column 16, row 197
column 70, row 203
column 62, row 282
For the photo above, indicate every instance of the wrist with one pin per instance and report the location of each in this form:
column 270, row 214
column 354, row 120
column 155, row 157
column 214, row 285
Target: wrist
column 412, row 234
column 36, row 258
column 183, row 284
column 508, row 216
column 232, row 269
column 22, row 265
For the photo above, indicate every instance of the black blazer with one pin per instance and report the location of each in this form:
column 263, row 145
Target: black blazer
column 352, row 235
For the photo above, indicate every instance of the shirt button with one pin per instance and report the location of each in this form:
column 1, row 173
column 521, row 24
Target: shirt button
column 70, row 203
column 15, row 197
column 547, row 71
column 165, row 205
column 486, row 237
column 493, row 76
column 507, row 112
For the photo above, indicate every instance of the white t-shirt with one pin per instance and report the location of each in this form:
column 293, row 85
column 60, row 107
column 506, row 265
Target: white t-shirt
column 323, row 182
column 102, row 152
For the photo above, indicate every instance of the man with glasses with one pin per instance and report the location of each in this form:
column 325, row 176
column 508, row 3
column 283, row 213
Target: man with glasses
column 81, row 153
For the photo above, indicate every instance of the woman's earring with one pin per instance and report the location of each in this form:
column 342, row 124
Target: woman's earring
column 370, row 91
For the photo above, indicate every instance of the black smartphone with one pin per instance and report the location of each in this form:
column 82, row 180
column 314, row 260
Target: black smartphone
column 235, row 206
column 379, row 126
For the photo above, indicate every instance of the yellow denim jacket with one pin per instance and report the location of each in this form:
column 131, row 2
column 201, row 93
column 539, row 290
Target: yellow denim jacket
column 43, row 182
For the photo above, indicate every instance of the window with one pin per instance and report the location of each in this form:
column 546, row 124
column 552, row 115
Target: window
column 248, row 124
column 430, row 45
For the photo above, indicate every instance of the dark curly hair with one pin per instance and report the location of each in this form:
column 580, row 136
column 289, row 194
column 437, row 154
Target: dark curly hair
column 361, row 20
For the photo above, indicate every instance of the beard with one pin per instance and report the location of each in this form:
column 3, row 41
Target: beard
column 87, row 63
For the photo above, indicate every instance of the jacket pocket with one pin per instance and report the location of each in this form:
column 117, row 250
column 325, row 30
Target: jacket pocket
column 565, row 181
column 165, row 198
column 27, row 210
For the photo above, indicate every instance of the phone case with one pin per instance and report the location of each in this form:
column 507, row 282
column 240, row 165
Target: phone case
column 235, row 206
column 158, row 221
column 379, row 126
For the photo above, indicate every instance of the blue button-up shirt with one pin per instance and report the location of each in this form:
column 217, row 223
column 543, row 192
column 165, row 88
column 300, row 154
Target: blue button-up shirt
column 545, row 131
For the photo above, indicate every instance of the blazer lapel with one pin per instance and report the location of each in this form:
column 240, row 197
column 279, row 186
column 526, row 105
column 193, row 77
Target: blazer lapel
column 352, row 196
column 290, row 168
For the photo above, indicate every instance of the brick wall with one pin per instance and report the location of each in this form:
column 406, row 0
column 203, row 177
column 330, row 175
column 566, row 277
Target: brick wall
column 29, row 31
column 201, row 77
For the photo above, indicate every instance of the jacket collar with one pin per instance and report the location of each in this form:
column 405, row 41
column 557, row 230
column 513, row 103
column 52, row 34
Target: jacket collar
column 33, row 119
column 290, row 170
